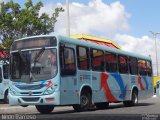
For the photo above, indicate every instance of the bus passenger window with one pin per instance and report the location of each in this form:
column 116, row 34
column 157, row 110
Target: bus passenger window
column 142, row 67
column 111, row 62
column 149, row 68
column 97, row 60
column 67, row 60
column 123, row 64
column 83, row 58
column 133, row 66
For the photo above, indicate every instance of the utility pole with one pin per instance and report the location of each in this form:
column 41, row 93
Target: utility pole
column 154, row 37
column 68, row 19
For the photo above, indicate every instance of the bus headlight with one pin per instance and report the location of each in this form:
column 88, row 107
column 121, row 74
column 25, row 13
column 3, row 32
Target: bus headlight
column 49, row 90
column 12, row 91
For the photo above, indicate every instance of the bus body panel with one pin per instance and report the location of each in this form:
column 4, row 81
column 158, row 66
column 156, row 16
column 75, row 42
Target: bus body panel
column 145, row 87
column 21, row 93
column 68, row 91
column 34, row 100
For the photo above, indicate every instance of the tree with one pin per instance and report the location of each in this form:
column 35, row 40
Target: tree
column 17, row 22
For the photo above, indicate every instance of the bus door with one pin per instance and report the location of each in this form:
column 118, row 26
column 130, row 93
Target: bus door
column 83, row 63
column 68, row 74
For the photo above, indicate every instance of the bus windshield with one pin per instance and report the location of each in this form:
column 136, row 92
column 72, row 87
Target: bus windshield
column 34, row 65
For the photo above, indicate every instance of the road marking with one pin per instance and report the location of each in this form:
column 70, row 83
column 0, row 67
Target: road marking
column 19, row 107
column 14, row 107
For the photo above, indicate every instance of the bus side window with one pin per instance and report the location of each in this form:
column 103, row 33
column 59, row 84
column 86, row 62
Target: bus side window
column 0, row 75
column 67, row 61
column 123, row 64
column 133, row 66
column 83, row 58
column 149, row 68
column 142, row 67
column 97, row 60
column 111, row 62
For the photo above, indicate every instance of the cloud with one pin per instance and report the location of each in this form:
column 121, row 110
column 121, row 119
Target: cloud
column 95, row 17
column 143, row 45
column 104, row 20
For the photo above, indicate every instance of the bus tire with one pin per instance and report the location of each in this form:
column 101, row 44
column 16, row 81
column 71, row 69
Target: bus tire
column 102, row 105
column 45, row 109
column 133, row 101
column 6, row 100
column 85, row 102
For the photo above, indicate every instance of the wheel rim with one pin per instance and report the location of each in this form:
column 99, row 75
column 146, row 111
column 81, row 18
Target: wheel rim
column 135, row 98
column 84, row 100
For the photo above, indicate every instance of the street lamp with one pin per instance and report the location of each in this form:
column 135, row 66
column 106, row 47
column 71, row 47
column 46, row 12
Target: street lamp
column 68, row 21
column 154, row 37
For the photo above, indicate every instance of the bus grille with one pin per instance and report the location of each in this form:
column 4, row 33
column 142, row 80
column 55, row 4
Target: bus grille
column 30, row 87
column 33, row 93
column 30, row 99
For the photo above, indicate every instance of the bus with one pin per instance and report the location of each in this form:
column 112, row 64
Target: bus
column 4, row 80
column 48, row 71
column 158, row 88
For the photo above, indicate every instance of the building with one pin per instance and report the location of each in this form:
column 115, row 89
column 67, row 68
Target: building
column 96, row 40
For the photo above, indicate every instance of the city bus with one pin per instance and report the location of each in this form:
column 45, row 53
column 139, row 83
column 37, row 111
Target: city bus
column 4, row 80
column 158, row 88
column 48, row 71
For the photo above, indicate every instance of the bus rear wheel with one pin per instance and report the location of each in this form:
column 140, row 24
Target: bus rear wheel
column 85, row 102
column 45, row 109
column 134, row 100
column 102, row 105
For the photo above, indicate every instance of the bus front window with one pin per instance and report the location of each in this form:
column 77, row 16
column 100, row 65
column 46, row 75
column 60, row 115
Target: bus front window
column 45, row 66
column 34, row 65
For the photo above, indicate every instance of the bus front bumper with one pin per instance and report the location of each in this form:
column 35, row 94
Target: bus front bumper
column 52, row 99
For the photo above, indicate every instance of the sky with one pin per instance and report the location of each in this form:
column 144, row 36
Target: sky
column 126, row 22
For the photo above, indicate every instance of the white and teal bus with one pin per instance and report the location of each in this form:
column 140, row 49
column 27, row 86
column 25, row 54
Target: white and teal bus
column 158, row 88
column 48, row 71
column 4, row 81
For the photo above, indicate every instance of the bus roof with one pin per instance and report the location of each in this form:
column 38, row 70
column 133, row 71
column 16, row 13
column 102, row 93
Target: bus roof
column 91, row 45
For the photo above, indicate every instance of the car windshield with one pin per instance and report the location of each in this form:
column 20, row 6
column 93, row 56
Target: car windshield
column 33, row 65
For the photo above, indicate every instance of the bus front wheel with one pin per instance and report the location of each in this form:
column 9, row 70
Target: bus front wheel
column 133, row 101
column 85, row 102
column 6, row 100
column 45, row 109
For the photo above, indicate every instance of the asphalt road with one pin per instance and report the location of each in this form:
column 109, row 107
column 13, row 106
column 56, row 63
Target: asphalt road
column 148, row 109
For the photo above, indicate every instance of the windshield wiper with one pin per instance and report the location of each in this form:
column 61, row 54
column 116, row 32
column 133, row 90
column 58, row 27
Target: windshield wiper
column 36, row 59
column 38, row 55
